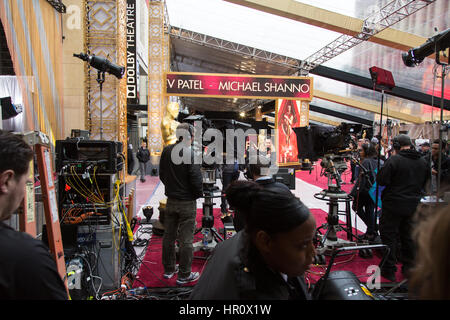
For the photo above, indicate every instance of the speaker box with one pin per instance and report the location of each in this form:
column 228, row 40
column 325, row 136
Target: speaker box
column 8, row 109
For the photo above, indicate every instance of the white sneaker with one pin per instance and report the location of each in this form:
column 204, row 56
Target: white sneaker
column 192, row 277
column 170, row 275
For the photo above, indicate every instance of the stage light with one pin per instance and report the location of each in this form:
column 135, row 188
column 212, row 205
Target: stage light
column 102, row 64
column 437, row 43
column 242, row 114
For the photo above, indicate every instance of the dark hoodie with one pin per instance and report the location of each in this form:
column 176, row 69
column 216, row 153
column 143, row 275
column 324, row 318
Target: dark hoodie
column 404, row 175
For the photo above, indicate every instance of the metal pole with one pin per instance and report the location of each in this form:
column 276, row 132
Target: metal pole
column 100, row 80
column 379, row 155
column 441, row 130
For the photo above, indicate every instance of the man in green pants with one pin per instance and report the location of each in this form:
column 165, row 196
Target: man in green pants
column 183, row 186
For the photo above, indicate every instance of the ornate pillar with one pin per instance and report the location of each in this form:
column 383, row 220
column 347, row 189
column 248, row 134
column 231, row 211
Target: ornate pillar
column 158, row 65
column 121, row 47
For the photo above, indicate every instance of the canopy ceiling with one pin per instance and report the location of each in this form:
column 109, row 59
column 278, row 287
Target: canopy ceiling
column 214, row 36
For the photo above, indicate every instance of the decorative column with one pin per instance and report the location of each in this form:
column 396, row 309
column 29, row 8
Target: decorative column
column 121, row 91
column 158, row 65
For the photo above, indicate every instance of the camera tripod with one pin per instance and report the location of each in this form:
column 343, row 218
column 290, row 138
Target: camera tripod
column 210, row 235
column 329, row 241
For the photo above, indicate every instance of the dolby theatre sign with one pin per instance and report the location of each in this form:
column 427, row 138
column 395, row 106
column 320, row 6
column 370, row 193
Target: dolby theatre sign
column 132, row 70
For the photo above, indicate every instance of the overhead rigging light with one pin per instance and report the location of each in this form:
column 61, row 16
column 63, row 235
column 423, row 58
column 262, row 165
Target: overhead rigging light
column 439, row 42
column 102, row 64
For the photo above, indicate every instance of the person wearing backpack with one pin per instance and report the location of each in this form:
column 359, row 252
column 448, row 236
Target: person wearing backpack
column 363, row 204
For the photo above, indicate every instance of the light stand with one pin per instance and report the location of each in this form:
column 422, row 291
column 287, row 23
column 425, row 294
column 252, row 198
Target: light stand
column 382, row 80
column 100, row 81
column 102, row 65
column 441, row 129
column 379, row 153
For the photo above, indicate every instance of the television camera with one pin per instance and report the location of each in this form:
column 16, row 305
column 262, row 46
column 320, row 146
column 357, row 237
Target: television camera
column 334, row 147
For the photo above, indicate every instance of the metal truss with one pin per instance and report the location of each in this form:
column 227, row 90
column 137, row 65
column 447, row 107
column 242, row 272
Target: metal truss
column 253, row 104
column 216, row 68
column 293, row 63
column 233, row 47
column 388, row 15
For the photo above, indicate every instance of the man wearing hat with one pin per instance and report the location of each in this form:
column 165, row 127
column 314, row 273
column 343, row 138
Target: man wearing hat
column 404, row 176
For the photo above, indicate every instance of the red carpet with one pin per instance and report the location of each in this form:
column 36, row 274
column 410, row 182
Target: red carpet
column 151, row 270
column 351, row 262
column 144, row 190
column 316, row 179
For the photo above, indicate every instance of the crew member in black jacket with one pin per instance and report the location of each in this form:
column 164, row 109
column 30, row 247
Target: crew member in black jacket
column 362, row 202
column 183, row 184
column 404, row 176
column 266, row 260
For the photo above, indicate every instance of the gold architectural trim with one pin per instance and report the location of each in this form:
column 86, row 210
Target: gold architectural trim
column 322, row 120
column 121, row 47
column 158, row 65
column 365, row 106
column 333, row 21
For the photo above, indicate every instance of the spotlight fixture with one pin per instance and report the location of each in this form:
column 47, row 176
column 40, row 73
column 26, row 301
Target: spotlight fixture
column 439, row 42
column 58, row 5
column 102, row 64
column 242, row 114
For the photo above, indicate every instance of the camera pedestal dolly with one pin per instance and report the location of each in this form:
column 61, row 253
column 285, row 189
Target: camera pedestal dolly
column 329, row 241
column 210, row 235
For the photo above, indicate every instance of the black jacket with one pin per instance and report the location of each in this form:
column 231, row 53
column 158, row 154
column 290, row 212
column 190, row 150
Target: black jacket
column 366, row 177
column 27, row 271
column 236, row 271
column 143, row 155
column 404, row 175
column 181, row 181
column 445, row 171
